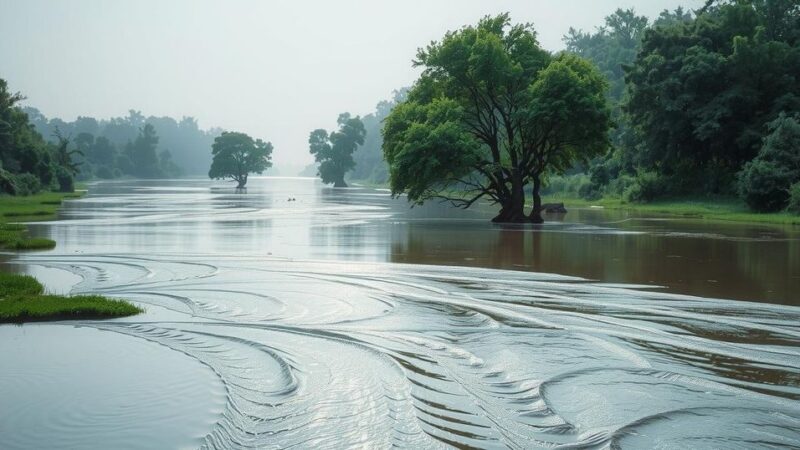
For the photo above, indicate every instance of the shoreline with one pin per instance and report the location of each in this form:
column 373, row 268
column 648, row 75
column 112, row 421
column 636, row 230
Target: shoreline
column 22, row 298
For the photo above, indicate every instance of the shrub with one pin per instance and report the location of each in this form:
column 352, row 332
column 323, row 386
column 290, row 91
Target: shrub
column 27, row 184
column 794, row 199
column 66, row 183
column 764, row 182
column 8, row 183
column 647, row 186
column 763, row 185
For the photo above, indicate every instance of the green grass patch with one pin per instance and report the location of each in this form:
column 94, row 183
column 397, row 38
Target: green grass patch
column 42, row 206
column 22, row 299
column 726, row 209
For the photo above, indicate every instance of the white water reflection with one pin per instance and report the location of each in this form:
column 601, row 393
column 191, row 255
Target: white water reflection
column 329, row 353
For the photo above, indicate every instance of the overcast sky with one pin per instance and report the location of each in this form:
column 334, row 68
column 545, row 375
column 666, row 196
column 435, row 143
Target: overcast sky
column 273, row 69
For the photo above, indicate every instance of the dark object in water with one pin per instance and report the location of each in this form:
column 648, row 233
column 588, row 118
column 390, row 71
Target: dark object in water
column 554, row 208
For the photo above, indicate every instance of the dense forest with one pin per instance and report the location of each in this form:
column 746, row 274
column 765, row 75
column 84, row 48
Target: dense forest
column 39, row 153
column 125, row 145
column 706, row 103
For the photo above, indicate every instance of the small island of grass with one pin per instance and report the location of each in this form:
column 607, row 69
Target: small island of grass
column 22, row 299
column 37, row 207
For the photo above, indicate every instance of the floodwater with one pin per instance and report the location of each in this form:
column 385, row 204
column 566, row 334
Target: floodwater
column 342, row 318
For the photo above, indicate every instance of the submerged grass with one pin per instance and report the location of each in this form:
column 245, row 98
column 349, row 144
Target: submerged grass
column 22, row 299
column 42, row 206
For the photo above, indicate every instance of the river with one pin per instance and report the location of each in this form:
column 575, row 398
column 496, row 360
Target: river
column 299, row 316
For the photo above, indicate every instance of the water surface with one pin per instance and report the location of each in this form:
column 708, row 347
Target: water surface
column 322, row 333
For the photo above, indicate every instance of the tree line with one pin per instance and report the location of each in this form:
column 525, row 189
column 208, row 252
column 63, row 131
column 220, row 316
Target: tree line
column 693, row 103
column 134, row 145
column 39, row 153
column 705, row 103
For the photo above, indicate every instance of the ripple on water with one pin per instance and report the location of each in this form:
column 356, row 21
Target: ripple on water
column 318, row 354
column 68, row 387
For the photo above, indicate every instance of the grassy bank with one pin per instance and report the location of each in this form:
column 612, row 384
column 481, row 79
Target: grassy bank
column 710, row 209
column 42, row 206
column 22, row 299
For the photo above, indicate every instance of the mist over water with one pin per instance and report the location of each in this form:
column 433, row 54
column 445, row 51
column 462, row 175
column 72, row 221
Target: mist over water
column 301, row 324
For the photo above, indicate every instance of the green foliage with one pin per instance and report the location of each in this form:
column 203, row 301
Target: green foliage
column 22, row 299
column 183, row 138
column 142, row 153
column 491, row 113
column 13, row 284
column 27, row 184
column 702, row 90
column 646, row 187
column 66, row 183
column 22, row 149
column 423, row 142
column 611, row 47
column 236, row 155
column 794, row 199
column 764, row 182
column 334, row 152
column 368, row 157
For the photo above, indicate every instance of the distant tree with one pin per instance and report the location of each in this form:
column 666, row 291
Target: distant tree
column 369, row 162
column 143, row 155
column 235, row 155
column 102, row 152
column 334, row 152
column 491, row 113
column 611, row 47
column 167, row 165
column 67, row 168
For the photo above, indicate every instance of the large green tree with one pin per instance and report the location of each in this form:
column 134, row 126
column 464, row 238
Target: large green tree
column 236, row 155
column 22, row 149
column 334, row 151
column 491, row 113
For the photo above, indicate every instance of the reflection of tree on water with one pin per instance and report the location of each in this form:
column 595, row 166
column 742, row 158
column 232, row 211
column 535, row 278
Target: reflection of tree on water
column 684, row 261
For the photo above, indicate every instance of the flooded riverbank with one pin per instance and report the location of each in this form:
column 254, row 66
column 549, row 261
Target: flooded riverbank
column 320, row 332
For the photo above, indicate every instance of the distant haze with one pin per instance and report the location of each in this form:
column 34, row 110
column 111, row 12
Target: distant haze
column 273, row 69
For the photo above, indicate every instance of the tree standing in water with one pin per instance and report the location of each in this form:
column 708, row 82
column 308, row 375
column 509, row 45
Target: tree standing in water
column 491, row 113
column 334, row 152
column 236, row 155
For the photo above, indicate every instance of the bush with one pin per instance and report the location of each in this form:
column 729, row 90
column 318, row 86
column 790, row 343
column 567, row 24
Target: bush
column 8, row 183
column 763, row 185
column 764, row 182
column 794, row 199
column 27, row 184
column 65, row 181
column 646, row 187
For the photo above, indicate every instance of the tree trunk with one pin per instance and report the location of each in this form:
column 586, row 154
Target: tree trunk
column 241, row 182
column 340, row 183
column 536, row 212
column 513, row 209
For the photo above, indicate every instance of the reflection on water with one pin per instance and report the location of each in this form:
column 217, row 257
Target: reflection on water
column 322, row 338
column 709, row 259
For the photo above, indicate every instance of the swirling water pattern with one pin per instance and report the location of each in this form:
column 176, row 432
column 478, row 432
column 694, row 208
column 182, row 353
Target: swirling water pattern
column 321, row 353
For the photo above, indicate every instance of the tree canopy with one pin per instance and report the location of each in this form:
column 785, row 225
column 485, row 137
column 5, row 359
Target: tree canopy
column 703, row 90
column 236, row 155
column 491, row 113
column 334, row 151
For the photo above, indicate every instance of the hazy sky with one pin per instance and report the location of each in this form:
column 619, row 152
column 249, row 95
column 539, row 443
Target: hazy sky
column 273, row 69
